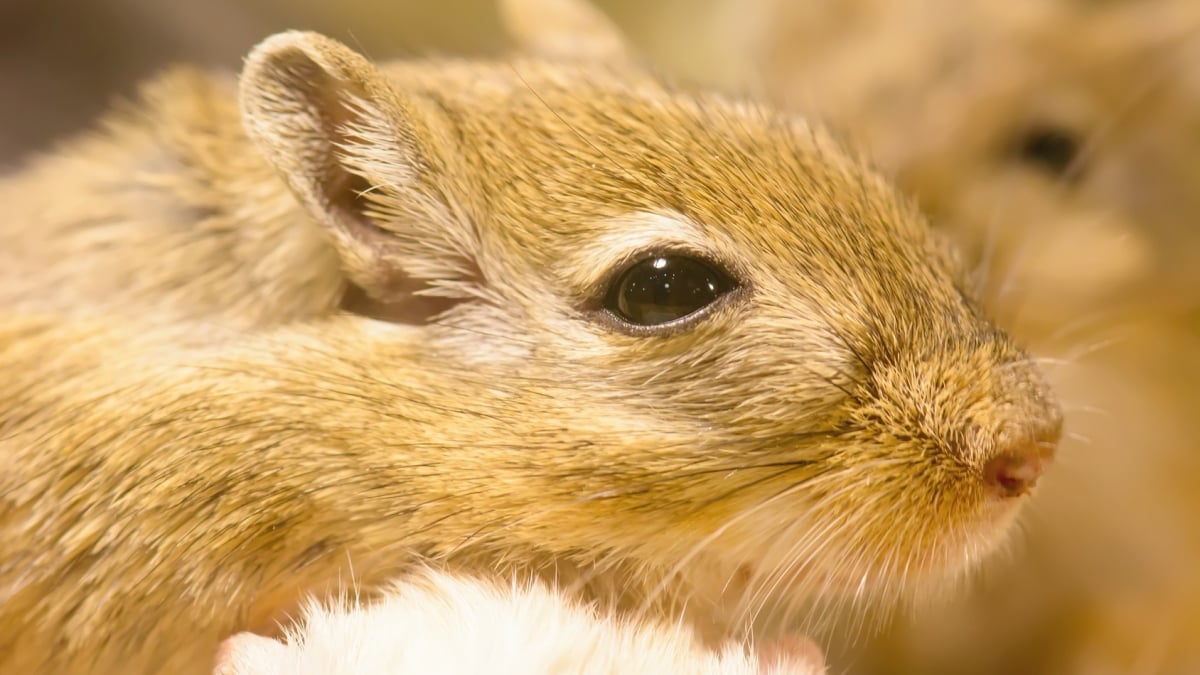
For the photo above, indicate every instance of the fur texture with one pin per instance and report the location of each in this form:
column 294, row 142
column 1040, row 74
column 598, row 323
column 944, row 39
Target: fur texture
column 1060, row 142
column 437, row 623
column 195, row 437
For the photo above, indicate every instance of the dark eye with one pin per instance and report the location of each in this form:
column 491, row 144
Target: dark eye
column 1052, row 149
column 665, row 288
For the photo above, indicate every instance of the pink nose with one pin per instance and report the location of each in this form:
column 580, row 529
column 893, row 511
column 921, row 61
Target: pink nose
column 1013, row 473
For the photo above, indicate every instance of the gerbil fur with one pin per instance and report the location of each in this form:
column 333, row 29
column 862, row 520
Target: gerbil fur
column 1089, row 251
column 438, row 623
column 184, row 461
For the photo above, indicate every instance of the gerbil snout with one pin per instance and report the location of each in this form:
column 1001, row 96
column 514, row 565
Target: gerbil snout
column 967, row 431
column 1023, row 439
column 1015, row 471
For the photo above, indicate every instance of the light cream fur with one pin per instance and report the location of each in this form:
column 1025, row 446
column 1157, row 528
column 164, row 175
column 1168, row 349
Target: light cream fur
column 438, row 623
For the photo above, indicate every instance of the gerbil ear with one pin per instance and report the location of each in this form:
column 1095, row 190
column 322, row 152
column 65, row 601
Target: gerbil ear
column 564, row 29
column 363, row 158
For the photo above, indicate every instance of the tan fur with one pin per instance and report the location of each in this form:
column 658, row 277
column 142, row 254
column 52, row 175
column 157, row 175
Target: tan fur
column 182, row 463
column 1097, row 264
column 439, row 623
column 947, row 118
column 170, row 178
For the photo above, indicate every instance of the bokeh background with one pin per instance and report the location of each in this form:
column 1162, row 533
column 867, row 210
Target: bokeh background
column 1105, row 576
column 62, row 61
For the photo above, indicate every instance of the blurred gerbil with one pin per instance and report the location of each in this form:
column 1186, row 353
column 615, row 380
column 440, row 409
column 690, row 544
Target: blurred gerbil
column 680, row 351
column 1060, row 143
column 439, row 623
column 1056, row 139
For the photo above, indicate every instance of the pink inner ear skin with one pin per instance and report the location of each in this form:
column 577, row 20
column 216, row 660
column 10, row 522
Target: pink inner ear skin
column 405, row 308
column 249, row 654
column 793, row 654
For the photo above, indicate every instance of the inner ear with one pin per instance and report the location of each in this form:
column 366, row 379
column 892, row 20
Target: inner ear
column 330, row 101
column 351, row 148
column 410, row 309
column 347, row 193
column 396, row 299
column 400, row 301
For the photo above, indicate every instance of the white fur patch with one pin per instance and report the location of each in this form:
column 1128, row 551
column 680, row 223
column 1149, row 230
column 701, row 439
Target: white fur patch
column 442, row 624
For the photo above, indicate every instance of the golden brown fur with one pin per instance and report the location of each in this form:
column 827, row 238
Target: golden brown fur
column 820, row 433
column 170, row 178
column 1094, row 259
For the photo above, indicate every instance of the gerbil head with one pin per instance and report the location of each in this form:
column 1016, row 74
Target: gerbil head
column 686, row 331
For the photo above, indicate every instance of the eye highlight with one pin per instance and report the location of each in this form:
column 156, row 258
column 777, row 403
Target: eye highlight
column 665, row 288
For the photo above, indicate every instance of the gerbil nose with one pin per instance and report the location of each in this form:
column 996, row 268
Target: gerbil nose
column 1015, row 470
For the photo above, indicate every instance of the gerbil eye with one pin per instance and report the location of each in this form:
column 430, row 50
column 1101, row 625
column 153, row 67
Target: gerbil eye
column 1051, row 148
column 665, row 288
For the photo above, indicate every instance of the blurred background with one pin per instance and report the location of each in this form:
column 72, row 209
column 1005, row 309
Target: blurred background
column 63, row 61
column 1058, row 140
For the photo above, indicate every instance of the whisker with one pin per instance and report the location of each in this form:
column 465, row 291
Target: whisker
column 716, row 533
column 482, row 535
column 1079, row 353
column 1088, row 323
column 1080, row 438
column 1087, row 410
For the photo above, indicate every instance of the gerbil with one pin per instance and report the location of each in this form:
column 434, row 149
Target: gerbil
column 439, row 623
column 677, row 347
column 168, row 215
column 1056, row 140
column 1060, row 142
